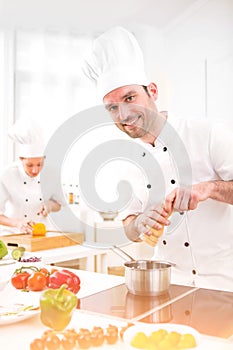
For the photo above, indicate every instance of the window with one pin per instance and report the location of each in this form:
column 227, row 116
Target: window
column 49, row 85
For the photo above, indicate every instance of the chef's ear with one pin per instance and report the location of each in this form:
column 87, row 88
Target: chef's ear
column 153, row 91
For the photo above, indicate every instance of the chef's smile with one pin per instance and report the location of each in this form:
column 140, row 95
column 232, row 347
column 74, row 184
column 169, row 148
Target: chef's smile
column 131, row 123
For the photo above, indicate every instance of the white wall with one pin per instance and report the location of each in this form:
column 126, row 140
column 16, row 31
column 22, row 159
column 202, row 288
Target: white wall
column 6, row 95
column 199, row 49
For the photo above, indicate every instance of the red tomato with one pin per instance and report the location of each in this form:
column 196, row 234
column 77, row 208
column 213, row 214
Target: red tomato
column 52, row 342
column 111, row 336
column 37, row 344
column 68, row 342
column 46, row 273
column 19, row 280
column 97, row 338
column 37, row 281
column 84, row 341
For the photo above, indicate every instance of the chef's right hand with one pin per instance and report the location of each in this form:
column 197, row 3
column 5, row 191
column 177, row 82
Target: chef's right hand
column 24, row 226
column 153, row 218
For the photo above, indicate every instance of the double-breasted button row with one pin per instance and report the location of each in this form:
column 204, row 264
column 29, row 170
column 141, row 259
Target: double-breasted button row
column 186, row 244
column 26, row 199
column 25, row 182
column 172, row 181
column 144, row 153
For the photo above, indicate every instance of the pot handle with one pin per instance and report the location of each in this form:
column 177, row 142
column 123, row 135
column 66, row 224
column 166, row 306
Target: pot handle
column 122, row 253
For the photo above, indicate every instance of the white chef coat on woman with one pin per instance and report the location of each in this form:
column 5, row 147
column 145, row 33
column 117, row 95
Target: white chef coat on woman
column 21, row 196
column 199, row 242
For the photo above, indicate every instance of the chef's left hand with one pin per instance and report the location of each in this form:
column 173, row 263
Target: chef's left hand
column 24, row 226
column 183, row 199
column 45, row 209
column 49, row 206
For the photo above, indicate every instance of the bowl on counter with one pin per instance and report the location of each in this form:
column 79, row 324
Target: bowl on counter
column 108, row 215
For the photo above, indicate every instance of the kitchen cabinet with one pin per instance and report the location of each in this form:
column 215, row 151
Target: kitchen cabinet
column 199, row 63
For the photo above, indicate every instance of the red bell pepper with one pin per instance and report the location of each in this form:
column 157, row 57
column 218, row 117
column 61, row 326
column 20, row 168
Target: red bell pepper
column 59, row 277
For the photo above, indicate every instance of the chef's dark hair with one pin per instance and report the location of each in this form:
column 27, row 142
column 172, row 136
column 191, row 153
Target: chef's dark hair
column 145, row 88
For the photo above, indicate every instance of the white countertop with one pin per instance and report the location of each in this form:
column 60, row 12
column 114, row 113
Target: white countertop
column 57, row 255
column 65, row 253
column 91, row 283
column 24, row 331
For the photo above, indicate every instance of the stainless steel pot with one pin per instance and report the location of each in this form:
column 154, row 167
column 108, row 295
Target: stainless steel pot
column 145, row 277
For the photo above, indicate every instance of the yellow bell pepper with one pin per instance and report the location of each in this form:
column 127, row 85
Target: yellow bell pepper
column 39, row 229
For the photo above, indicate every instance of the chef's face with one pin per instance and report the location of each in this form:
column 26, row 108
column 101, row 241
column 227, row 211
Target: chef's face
column 32, row 166
column 132, row 107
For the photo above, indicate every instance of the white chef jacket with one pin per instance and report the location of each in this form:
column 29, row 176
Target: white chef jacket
column 21, row 196
column 199, row 242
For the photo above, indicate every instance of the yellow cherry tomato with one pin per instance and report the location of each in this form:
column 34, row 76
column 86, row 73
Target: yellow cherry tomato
column 187, row 341
column 139, row 340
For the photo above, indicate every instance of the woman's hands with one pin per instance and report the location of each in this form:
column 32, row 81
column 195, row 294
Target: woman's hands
column 24, row 226
column 49, row 206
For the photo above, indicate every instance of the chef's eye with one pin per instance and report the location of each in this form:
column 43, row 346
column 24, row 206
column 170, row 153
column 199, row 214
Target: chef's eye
column 112, row 108
column 130, row 98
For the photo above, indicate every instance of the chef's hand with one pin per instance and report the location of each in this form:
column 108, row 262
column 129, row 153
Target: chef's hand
column 151, row 237
column 183, row 199
column 24, row 226
column 153, row 218
column 44, row 210
column 49, row 206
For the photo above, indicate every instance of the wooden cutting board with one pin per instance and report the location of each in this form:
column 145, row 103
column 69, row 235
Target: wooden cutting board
column 53, row 239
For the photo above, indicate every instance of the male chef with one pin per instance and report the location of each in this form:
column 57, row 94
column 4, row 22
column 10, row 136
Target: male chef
column 196, row 163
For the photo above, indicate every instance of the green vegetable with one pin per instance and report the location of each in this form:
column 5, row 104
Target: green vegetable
column 3, row 249
column 57, row 306
column 17, row 253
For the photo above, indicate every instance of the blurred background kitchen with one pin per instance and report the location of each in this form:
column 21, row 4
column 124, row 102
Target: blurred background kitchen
column 188, row 51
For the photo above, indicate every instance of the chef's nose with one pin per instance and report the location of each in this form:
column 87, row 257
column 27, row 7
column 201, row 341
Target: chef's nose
column 35, row 170
column 124, row 111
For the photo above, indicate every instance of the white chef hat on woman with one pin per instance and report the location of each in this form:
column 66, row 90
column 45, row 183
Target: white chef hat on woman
column 28, row 135
column 116, row 60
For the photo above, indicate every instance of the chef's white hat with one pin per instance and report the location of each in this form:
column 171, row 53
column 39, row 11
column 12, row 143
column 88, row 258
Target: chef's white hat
column 116, row 60
column 28, row 134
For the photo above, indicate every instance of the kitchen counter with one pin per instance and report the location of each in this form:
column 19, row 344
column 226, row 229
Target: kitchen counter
column 57, row 255
column 104, row 299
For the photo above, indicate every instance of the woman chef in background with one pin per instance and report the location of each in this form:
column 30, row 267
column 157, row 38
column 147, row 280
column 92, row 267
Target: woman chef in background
column 21, row 200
